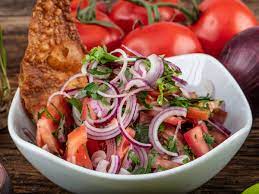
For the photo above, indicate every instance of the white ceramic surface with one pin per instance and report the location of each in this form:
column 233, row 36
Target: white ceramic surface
column 182, row 179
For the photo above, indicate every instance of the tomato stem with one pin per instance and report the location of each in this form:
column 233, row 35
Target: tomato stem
column 156, row 13
column 185, row 11
column 148, row 8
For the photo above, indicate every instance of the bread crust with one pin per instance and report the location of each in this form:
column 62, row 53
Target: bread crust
column 54, row 53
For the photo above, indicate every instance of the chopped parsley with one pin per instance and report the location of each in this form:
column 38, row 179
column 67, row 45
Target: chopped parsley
column 142, row 99
column 133, row 157
column 186, row 160
column 188, row 151
column 171, row 145
column 161, row 127
column 100, row 71
column 118, row 139
column 208, row 139
column 160, row 169
column 142, row 133
column 76, row 103
column 99, row 54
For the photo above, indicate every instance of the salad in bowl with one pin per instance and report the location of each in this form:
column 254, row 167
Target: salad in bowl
column 129, row 114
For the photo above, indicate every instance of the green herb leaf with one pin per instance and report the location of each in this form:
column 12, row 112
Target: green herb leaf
column 142, row 133
column 133, row 157
column 208, row 139
column 151, row 160
column 160, row 169
column 76, row 103
column 171, row 145
column 100, row 71
column 142, row 99
column 99, row 54
column 140, row 170
column 161, row 127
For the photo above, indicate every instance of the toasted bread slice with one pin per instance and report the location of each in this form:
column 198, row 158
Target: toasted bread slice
column 54, row 53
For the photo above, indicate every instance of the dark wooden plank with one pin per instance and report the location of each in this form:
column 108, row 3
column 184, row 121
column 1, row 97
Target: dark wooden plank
column 241, row 172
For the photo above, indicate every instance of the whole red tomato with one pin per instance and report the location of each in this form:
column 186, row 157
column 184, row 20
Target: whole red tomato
column 219, row 21
column 163, row 38
column 125, row 14
column 93, row 35
column 100, row 5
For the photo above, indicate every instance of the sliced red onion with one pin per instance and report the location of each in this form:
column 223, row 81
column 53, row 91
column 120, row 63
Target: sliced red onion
column 84, row 68
column 57, row 94
column 136, row 113
column 219, row 127
column 123, row 171
column 173, row 66
column 132, row 51
column 177, row 130
column 180, row 159
column 124, row 94
column 70, row 80
column 126, row 163
column 157, row 121
column 124, row 125
column 143, row 157
column 180, row 81
column 138, row 82
column 115, row 105
column 113, row 125
column 121, row 75
column 91, row 78
column 104, row 136
column 111, row 148
column 115, row 164
column 97, row 157
column 134, row 73
column 156, row 69
column 76, row 115
column 102, row 166
column 29, row 135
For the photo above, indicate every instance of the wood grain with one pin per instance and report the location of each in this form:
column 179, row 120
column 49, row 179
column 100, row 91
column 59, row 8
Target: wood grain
column 240, row 173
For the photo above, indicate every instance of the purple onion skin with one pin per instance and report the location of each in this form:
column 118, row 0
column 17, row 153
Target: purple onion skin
column 241, row 57
column 5, row 183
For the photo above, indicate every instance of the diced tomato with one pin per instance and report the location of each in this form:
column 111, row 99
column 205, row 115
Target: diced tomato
column 174, row 120
column 87, row 110
column 218, row 137
column 147, row 116
column 195, row 141
column 196, row 113
column 167, row 164
column 123, row 146
column 76, row 138
column 82, row 157
column 203, row 127
column 179, row 139
column 94, row 145
column 45, row 128
column 57, row 107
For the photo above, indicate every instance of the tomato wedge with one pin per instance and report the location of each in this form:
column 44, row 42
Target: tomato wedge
column 123, row 146
column 174, row 120
column 198, row 114
column 82, row 157
column 195, row 141
column 75, row 152
column 167, row 164
column 44, row 136
column 218, row 137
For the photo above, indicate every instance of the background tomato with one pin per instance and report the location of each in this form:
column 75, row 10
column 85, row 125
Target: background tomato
column 163, row 38
column 100, row 5
column 125, row 14
column 93, row 35
column 219, row 21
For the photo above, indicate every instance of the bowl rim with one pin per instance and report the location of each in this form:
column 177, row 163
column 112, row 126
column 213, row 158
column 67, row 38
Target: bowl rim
column 33, row 148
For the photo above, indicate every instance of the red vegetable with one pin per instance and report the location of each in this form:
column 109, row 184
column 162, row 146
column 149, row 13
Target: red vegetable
column 125, row 14
column 195, row 141
column 219, row 21
column 163, row 38
column 198, row 114
column 100, row 5
column 240, row 57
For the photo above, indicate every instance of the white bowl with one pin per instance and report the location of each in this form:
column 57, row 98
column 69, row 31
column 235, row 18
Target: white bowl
column 179, row 180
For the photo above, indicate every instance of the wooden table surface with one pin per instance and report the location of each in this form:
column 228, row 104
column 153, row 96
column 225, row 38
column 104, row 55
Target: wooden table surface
column 241, row 172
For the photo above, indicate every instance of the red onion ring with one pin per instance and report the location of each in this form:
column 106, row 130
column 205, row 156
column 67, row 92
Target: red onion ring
column 123, row 171
column 70, row 80
column 173, row 66
column 57, row 94
column 180, row 81
column 132, row 51
column 156, row 69
column 115, row 164
column 157, row 121
column 219, row 127
column 142, row 154
column 138, row 82
column 104, row 136
column 112, row 126
column 123, row 125
column 97, row 157
column 102, row 166
column 111, row 148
